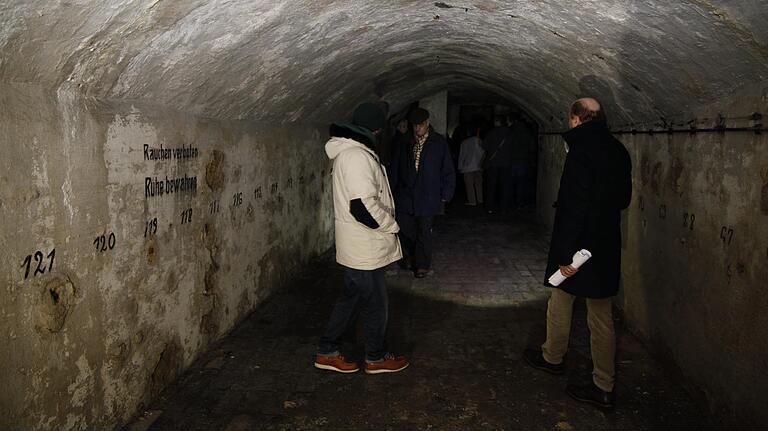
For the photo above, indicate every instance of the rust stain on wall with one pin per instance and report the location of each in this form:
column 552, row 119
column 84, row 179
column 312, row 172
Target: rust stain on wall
column 151, row 252
column 645, row 170
column 655, row 178
column 54, row 301
column 215, row 176
column 676, row 172
column 764, row 199
column 172, row 282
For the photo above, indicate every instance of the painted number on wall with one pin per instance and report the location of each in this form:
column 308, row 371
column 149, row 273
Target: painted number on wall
column 726, row 235
column 39, row 257
column 150, row 227
column 237, row 199
column 186, row 216
column 104, row 242
column 214, row 207
column 689, row 220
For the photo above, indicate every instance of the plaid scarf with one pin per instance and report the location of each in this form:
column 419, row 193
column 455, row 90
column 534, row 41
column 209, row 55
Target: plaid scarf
column 417, row 148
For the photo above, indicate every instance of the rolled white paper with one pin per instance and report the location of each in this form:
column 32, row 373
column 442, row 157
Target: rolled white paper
column 579, row 258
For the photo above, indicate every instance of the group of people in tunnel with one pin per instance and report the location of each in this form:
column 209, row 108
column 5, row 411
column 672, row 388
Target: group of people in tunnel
column 382, row 216
column 496, row 162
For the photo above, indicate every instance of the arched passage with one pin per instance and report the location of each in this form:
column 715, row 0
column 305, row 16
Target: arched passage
column 244, row 90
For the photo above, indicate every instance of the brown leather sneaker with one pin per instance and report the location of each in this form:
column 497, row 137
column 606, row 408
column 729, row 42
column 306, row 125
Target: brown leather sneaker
column 335, row 363
column 390, row 364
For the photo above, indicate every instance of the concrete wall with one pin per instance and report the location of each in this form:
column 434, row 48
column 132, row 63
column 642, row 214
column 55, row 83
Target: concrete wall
column 437, row 105
column 695, row 257
column 109, row 289
column 99, row 331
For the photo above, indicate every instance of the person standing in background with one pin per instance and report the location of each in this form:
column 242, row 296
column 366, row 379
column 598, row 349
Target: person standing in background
column 520, row 141
column 498, row 159
column 471, row 166
column 423, row 180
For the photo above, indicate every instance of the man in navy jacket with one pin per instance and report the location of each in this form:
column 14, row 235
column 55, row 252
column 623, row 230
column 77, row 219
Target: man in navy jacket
column 423, row 180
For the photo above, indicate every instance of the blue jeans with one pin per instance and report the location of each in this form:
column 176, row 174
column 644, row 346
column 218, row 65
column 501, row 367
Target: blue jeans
column 364, row 292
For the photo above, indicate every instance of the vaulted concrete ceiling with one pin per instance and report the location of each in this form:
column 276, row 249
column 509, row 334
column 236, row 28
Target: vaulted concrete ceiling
column 310, row 60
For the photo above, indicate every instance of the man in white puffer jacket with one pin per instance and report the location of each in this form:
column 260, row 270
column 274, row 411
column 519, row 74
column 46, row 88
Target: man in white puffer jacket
column 366, row 242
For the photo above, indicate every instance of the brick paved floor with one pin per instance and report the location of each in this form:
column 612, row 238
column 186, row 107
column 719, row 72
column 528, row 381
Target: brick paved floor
column 463, row 328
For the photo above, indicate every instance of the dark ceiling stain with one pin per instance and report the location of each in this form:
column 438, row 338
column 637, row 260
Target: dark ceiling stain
column 557, row 34
column 442, row 5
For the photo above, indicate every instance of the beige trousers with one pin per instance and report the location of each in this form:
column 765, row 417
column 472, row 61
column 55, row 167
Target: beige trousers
column 602, row 338
column 474, row 182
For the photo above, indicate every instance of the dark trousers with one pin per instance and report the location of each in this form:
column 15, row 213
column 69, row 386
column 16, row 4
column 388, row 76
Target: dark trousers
column 364, row 292
column 519, row 184
column 416, row 239
column 499, row 193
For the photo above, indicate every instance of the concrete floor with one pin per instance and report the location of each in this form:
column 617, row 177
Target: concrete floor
column 463, row 329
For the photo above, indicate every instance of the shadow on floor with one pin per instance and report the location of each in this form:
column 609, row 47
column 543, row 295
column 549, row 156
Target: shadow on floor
column 466, row 373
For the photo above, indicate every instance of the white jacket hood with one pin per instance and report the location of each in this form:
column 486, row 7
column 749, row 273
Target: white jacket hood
column 337, row 145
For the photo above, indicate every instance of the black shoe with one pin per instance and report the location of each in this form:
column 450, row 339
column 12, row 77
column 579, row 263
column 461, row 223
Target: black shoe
column 404, row 263
column 535, row 359
column 591, row 394
column 421, row 273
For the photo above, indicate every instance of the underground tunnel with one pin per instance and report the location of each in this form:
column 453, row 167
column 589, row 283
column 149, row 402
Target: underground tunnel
column 167, row 211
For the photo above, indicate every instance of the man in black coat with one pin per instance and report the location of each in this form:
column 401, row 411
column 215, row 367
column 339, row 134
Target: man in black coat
column 595, row 187
column 423, row 180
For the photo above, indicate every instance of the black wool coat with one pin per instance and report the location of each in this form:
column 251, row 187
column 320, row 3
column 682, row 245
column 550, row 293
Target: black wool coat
column 595, row 187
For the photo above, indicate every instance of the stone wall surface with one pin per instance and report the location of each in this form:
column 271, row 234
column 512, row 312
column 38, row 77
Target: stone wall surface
column 695, row 256
column 111, row 288
column 129, row 284
column 437, row 105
